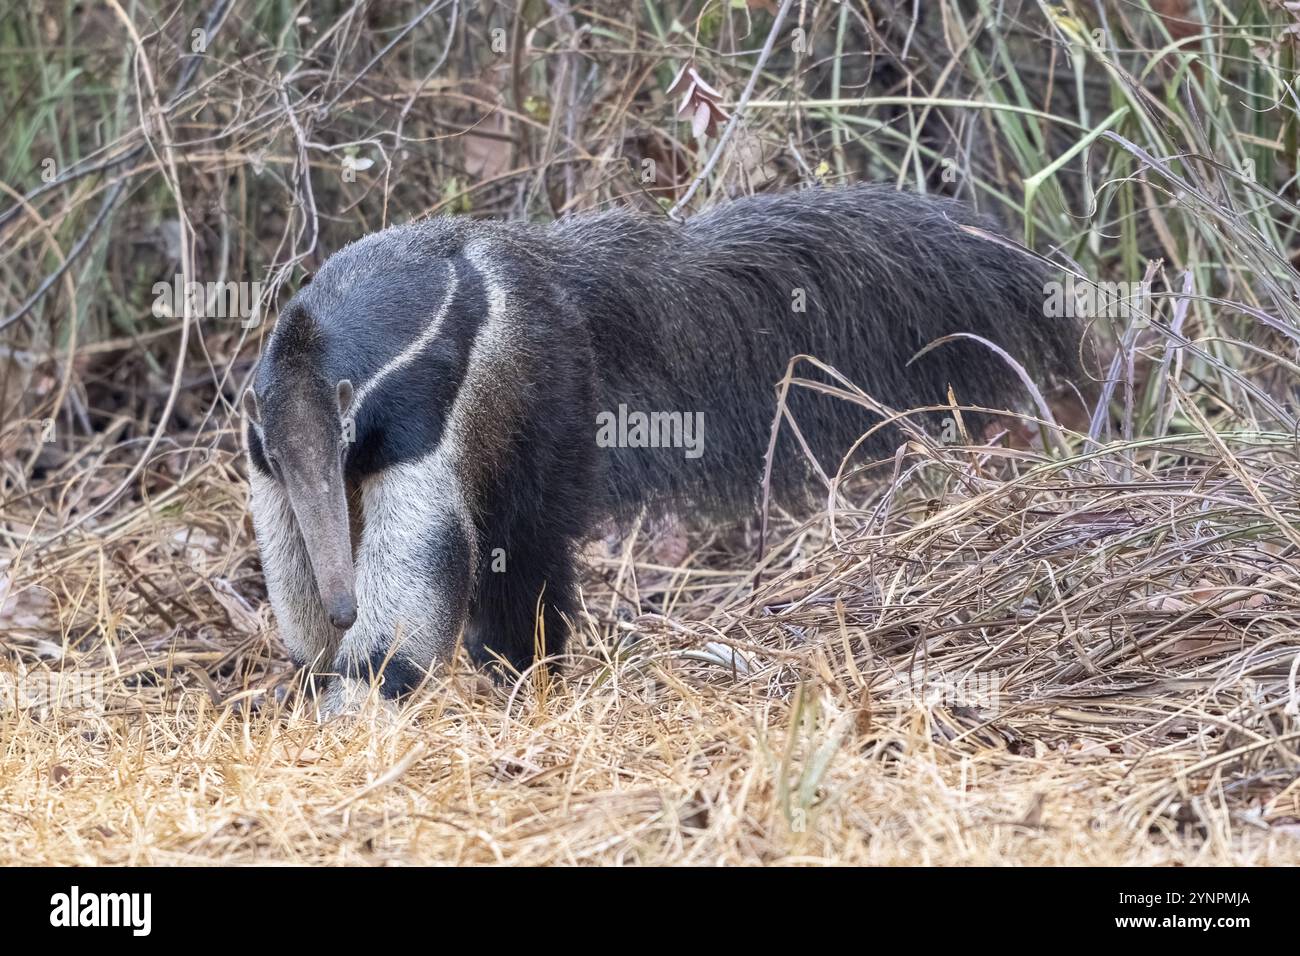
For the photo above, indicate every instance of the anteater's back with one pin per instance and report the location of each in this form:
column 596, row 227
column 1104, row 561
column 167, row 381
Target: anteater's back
column 704, row 317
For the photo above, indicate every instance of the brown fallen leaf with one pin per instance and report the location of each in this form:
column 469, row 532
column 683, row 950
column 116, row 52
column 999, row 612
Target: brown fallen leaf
column 700, row 101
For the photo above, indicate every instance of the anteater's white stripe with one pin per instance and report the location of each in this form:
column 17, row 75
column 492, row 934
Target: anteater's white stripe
column 412, row 351
column 488, row 371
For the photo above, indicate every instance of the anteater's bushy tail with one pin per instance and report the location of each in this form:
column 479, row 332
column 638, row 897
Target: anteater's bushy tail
column 703, row 317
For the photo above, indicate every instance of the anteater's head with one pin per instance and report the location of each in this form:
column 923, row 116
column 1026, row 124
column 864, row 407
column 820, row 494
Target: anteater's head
column 298, row 438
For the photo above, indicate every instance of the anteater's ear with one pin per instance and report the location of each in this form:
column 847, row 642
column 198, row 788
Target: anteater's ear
column 345, row 396
column 305, row 281
column 250, row 407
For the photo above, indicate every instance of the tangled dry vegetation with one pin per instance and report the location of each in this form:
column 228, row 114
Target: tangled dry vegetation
column 1079, row 649
column 1076, row 660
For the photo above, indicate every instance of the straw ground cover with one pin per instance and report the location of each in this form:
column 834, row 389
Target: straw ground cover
column 1069, row 640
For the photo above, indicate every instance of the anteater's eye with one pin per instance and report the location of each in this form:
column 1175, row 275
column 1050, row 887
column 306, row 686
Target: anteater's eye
column 275, row 467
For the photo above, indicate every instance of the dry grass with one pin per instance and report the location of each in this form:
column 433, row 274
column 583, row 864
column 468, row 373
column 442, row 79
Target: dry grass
column 1043, row 667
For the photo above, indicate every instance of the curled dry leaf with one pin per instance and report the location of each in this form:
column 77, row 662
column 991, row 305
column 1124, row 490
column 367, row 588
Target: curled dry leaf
column 699, row 100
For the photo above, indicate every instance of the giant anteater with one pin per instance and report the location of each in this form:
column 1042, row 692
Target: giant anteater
column 450, row 406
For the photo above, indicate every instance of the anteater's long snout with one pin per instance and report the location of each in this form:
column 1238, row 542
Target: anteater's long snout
column 342, row 609
column 321, row 510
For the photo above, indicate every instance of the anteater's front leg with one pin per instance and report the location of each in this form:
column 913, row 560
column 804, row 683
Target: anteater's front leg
column 414, row 575
column 525, row 591
column 304, row 626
